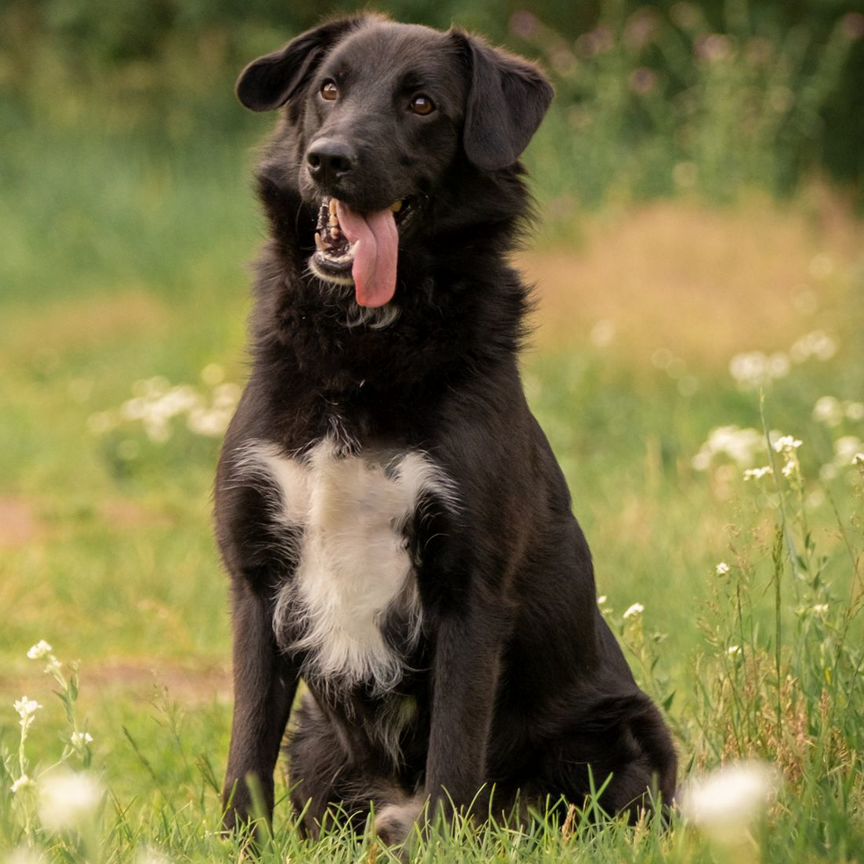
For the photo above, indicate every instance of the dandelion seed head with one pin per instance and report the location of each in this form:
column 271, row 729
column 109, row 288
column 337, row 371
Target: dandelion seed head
column 24, row 855
column 149, row 855
column 68, row 800
column 725, row 802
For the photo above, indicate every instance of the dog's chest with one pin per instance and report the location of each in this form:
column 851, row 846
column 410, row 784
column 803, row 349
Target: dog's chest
column 351, row 605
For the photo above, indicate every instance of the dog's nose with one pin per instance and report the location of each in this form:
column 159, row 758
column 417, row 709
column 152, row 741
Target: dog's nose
column 330, row 159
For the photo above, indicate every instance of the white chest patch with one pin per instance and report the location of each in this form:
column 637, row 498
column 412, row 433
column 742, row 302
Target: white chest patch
column 353, row 564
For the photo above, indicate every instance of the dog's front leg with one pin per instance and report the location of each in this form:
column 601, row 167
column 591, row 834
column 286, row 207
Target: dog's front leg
column 466, row 667
column 264, row 688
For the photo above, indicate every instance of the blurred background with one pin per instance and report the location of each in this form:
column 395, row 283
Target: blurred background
column 700, row 181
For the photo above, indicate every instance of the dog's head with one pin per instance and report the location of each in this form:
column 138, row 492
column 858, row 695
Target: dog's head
column 380, row 115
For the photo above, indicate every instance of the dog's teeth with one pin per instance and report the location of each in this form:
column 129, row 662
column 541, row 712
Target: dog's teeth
column 319, row 243
column 334, row 219
column 396, row 206
column 334, row 232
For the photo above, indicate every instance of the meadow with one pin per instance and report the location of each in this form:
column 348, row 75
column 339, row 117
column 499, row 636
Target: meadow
column 696, row 361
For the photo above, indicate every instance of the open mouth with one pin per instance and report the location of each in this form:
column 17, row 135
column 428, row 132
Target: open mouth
column 359, row 249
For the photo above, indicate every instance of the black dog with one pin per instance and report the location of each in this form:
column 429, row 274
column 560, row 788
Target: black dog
column 398, row 531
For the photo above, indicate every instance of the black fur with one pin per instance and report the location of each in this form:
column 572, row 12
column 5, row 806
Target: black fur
column 516, row 681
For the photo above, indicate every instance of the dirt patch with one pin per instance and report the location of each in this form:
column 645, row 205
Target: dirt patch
column 82, row 323
column 136, row 679
column 19, row 524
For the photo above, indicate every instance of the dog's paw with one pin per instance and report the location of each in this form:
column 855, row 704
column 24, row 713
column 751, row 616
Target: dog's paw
column 394, row 822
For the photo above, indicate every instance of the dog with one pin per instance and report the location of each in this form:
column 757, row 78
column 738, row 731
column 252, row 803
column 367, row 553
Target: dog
column 397, row 530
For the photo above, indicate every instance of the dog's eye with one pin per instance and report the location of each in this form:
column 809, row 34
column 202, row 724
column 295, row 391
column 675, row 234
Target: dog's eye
column 329, row 90
column 422, row 104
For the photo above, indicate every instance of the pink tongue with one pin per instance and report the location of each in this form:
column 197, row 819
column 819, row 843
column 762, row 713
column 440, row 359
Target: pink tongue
column 374, row 268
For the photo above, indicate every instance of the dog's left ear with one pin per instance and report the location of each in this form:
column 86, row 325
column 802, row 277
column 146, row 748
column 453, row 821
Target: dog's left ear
column 507, row 99
column 274, row 79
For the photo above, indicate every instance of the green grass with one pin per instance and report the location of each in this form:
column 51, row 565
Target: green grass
column 126, row 259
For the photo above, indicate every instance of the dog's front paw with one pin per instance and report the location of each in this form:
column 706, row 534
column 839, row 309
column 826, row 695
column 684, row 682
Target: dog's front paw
column 395, row 822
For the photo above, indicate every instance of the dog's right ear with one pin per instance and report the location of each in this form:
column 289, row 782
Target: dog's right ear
column 272, row 80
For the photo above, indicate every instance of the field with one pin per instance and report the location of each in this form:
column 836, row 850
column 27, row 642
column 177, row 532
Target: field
column 675, row 347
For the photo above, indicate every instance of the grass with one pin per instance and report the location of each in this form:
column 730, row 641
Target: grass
column 124, row 260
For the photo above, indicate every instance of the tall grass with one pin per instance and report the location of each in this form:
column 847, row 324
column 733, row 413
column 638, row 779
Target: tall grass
column 657, row 102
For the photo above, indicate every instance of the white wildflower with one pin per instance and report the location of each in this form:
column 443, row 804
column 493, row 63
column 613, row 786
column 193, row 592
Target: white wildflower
column 24, row 855
column 212, row 374
column 757, row 473
column 786, row 444
column 732, row 650
column 53, row 666
column 601, row 599
column 26, row 708
column 820, row 609
column 828, row 410
column 817, row 344
column 149, row 855
column 725, row 802
column 634, row 610
column 854, row 410
column 847, row 448
column 821, row 265
column 602, row 333
column 67, row 800
column 210, row 424
column 79, row 740
column 21, row 783
column 722, row 569
column 738, row 444
column 39, row 650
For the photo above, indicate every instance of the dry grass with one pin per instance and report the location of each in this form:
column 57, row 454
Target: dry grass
column 81, row 323
column 703, row 284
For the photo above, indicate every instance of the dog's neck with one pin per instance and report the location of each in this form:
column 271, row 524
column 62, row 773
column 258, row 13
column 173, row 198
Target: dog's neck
column 448, row 270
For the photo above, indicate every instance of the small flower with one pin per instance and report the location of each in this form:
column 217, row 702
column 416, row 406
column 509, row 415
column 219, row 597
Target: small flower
column 79, row 740
column 39, row 650
column 26, row 708
column 53, row 665
column 786, row 444
column 757, row 473
column 24, row 855
column 820, row 609
column 732, row 650
column 790, row 468
column 634, row 610
column 725, row 802
column 21, row 783
column 722, row 569
column 148, row 855
column 67, row 800
column 828, row 410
